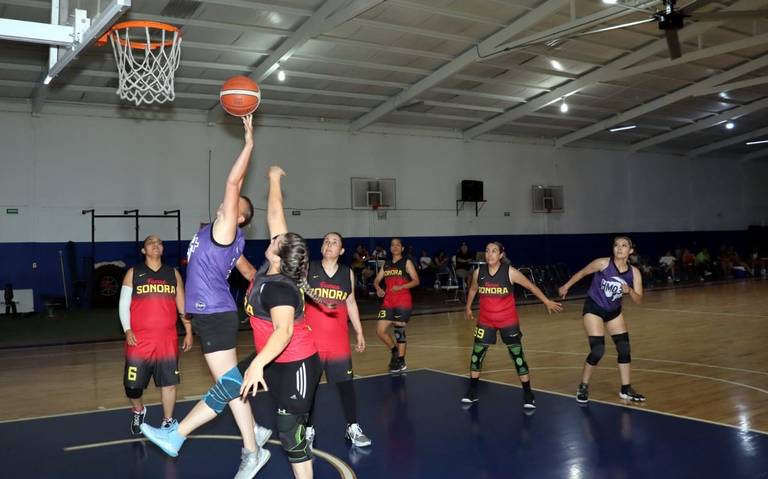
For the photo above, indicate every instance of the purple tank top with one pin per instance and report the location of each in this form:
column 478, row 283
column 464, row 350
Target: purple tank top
column 605, row 289
column 209, row 265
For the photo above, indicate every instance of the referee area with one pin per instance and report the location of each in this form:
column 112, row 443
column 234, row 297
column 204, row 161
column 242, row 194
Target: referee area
column 698, row 356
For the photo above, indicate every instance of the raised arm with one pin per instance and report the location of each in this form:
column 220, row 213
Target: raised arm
column 597, row 265
column 516, row 276
column 275, row 212
column 225, row 226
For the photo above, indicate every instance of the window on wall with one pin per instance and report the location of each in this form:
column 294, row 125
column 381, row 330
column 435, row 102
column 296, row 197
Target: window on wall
column 376, row 193
column 547, row 199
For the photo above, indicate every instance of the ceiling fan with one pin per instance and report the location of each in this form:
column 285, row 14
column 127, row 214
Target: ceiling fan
column 670, row 19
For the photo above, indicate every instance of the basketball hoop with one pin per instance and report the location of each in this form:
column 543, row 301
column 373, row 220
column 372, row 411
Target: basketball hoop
column 147, row 56
column 374, row 206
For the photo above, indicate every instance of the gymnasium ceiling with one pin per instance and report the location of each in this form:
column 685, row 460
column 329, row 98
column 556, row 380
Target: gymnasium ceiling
column 438, row 67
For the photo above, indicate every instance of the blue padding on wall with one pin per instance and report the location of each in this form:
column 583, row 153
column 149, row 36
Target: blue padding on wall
column 575, row 250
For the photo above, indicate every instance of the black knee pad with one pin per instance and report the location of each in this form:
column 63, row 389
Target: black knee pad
column 293, row 436
column 478, row 355
column 622, row 347
column 134, row 393
column 516, row 353
column 400, row 335
column 596, row 349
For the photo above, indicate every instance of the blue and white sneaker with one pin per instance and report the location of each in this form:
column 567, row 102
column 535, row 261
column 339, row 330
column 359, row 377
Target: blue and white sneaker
column 252, row 462
column 170, row 424
column 169, row 440
column 262, row 434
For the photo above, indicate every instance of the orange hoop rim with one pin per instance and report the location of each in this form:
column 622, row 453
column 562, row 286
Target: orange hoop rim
column 104, row 39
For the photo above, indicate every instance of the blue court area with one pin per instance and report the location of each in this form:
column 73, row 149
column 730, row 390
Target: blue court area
column 419, row 430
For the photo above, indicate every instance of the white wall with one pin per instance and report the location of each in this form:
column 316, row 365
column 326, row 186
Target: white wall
column 73, row 158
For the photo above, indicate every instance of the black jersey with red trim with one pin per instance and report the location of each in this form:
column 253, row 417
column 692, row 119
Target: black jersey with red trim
column 497, row 300
column 329, row 325
column 153, row 301
column 395, row 274
column 302, row 344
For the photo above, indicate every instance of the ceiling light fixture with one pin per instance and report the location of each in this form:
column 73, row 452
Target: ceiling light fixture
column 622, row 128
column 556, row 65
column 730, row 125
column 757, row 142
column 563, row 107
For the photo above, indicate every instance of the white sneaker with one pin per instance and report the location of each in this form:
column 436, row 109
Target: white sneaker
column 251, row 462
column 355, row 434
column 310, row 436
column 262, row 435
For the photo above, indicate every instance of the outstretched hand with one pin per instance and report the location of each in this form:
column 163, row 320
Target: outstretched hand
column 562, row 291
column 553, row 307
column 253, row 377
column 248, row 125
column 275, row 172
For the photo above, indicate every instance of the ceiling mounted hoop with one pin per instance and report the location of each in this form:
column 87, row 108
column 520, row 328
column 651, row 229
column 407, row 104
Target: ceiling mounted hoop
column 147, row 56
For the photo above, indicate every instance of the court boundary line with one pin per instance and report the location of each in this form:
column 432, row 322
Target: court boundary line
column 345, row 470
column 630, row 406
column 117, row 408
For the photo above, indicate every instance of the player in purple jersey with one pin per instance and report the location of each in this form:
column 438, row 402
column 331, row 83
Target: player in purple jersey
column 213, row 252
column 613, row 278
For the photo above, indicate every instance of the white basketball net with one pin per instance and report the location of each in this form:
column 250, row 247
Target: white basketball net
column 146, row 74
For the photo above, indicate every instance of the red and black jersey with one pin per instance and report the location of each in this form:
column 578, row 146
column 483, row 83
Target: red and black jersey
column 497, row 301
column 270, row 289
column 153, row 302
column 395, row 274
column 329, row 325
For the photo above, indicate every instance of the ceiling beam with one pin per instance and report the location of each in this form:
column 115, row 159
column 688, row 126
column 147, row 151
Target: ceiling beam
column 728, row 142
column 330, row 15
column 665, row 100
column 726, row 87
column 605, row 73
column 703, row 124
column 299, row 12
column 459, row 63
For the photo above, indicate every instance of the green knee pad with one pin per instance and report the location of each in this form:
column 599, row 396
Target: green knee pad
column 478, row 356
column 516, row 353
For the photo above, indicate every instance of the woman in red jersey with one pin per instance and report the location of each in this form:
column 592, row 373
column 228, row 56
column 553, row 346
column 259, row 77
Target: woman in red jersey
column 334, row 283
column 399, row 275
column 493, row 281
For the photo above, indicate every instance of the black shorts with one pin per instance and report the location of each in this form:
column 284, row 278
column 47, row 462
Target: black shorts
column 487, row 334
column 217, row 331
column 402, row 315
column 591, row 307
column 293, row 385
column 137, row 372
column 337, row 369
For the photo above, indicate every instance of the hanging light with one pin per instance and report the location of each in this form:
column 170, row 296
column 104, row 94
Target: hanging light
column 563, row 107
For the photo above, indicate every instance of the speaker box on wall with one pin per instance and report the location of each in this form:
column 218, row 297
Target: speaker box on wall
column 471, row 190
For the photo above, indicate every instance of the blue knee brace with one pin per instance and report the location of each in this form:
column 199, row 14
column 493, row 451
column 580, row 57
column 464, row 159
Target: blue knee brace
column 226, row 389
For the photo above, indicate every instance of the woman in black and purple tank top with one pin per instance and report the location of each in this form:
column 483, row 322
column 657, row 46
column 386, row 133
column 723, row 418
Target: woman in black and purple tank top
column 613, row 278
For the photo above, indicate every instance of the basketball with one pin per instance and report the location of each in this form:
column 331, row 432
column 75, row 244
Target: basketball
column 240, row 96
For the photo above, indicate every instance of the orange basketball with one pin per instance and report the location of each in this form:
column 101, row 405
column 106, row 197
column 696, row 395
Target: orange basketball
column 240, row 96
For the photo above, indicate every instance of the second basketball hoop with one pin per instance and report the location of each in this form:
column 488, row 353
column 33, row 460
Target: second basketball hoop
column 147, row 56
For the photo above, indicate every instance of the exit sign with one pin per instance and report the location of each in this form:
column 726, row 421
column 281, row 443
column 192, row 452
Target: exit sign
column 12, row 211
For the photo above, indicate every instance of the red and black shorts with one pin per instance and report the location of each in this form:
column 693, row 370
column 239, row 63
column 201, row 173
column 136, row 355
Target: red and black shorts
column 157, row 358
column 337, row 367
column 397, row 314
column 485, row 334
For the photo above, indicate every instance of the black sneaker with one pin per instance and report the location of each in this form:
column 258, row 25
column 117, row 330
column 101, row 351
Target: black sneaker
column 401, row 364
column 471, row 396
column 529, row 402
column 582, row 394
column 137, row 419
column 394, row 362
column 632, row 395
